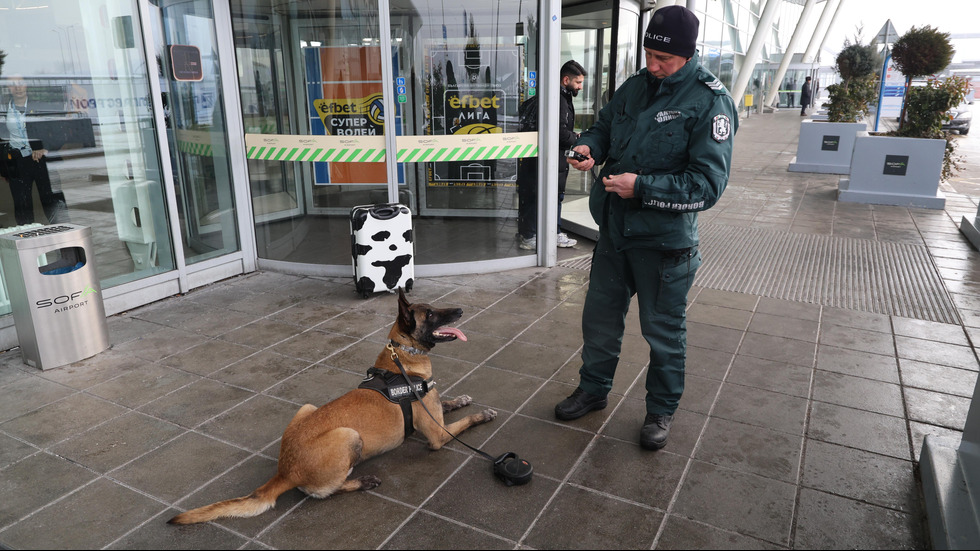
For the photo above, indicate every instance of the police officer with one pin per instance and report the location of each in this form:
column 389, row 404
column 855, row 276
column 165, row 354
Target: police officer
column 666, row 141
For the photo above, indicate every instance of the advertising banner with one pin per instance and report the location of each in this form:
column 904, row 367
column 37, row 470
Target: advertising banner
column 472, row 89
column 344, row 88
column 892, row 94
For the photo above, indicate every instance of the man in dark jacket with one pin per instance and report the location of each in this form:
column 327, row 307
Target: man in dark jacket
column 572, row 77
column 806, row 96
column 665, row 140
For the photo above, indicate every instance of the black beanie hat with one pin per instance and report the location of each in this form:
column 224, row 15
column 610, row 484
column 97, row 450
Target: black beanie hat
column 673, row 30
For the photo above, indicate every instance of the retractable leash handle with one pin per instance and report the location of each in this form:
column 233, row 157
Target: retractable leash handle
column 510, row 468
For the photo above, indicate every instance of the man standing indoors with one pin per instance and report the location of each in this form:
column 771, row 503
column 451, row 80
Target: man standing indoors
column 572, row 76
column 666, row 141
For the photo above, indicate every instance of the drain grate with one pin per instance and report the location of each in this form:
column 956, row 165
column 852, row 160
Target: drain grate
column 896, row 279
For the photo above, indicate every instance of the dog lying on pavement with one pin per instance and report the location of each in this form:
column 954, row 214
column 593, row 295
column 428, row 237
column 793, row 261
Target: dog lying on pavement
column 321, row 446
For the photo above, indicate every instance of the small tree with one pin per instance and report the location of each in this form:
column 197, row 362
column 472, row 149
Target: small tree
column 849, row 99
column 919, row 52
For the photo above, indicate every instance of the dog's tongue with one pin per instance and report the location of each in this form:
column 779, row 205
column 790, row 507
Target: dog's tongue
column 453, row 331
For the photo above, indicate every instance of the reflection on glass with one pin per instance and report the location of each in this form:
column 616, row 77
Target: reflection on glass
column 78, row 136
column 314, row 69
column 190, row 83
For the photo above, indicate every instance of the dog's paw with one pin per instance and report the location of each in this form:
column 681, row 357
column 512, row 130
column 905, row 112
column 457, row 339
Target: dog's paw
column 456, row 403
column 489, row 415
column 369, row 482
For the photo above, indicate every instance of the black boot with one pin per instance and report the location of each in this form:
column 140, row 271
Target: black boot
column 656, row 427
column 578, row 404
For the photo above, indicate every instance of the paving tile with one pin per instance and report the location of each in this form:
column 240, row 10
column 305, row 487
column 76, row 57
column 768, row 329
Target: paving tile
column 13, row 450
column 87, row 519
column 853, row 338
column 858, row 393
column 412, row 472
column 317, row 385
column 762, row 408
column 164, row 341
column 28, row 394
column 144, row 384
column 427, row 531
column 782, row 326
column 831, row 522
column 857, row 363
column 34, row 482
column 713, row 337
column 313, row 345
column 117, row 441
column 935, row 408
column 261, row 333
column 682, row 533
column 551, row 448
column 260, row 371
column 208, row 357
column 124, row 328
column 778, row 349
column 583, row 519
column 883, row 434
column 936, row 352
column 197, row 402
column 859, row 320
column 554, row 334
column 60, row 420
column 861, row 475
column 476, row 498
column 727, row 299
column 189, row 461
column 531, row 359
column 771, row 375
column 157, row 534
column 217, row 321
column 499, row 324
column 751, row 449
column 628, row 374
column 640, row 476
column 705, row 362
column 497, row 388
column 730, row 318
column 253, row 424
column 921, row 430
column 91, row 371
column 523, row 304
column 739, row 502
column 308, row 313
column 240, row 480
column 938, row 378
column 930, row 330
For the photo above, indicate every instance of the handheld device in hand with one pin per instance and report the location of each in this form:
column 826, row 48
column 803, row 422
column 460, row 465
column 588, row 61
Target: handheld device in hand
column 572, row 154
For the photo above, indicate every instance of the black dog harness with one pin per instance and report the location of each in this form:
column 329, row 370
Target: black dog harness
column 394, row 388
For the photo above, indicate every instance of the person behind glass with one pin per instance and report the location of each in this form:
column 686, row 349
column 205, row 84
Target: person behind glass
column 572, row 77
column 806, row 97
column 665, row 139
column 26, row 162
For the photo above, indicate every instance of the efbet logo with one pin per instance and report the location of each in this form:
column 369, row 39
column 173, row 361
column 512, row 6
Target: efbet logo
column 63, row 303
column 352, row 116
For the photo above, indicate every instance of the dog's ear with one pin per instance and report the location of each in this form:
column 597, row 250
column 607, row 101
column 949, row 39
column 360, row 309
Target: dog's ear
column 405, row 316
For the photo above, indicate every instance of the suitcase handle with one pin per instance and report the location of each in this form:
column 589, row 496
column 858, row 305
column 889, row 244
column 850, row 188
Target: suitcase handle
column 386, row 212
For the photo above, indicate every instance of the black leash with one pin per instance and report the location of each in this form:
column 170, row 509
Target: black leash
column 513, row 470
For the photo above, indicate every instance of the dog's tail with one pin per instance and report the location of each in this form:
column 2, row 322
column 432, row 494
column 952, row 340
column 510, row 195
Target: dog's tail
column 256, row 503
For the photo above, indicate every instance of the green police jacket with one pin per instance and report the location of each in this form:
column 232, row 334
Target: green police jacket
column 678, row 139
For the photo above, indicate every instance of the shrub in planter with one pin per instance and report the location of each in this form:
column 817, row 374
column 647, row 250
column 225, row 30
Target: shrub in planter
column 857, row 65
column 920, row 52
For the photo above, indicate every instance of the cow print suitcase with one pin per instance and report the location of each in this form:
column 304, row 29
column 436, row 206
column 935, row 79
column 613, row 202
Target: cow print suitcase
column 382, row 247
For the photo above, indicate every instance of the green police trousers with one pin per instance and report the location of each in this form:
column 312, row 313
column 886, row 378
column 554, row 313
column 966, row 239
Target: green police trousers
column 660, row 280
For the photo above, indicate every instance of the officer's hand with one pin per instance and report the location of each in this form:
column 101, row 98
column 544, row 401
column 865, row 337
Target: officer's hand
column 620, row 184
column 38, row 153
column 582, row 165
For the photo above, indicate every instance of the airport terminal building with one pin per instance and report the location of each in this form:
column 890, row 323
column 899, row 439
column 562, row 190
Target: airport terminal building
column 202, row 139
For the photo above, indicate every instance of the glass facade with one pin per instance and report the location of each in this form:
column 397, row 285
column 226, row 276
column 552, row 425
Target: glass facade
column 198, row 137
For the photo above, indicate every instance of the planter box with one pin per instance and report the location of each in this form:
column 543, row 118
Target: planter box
column 971, row 229
column 887, row 170
column 825, row 147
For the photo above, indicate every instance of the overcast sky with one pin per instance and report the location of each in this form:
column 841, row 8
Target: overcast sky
column 950, row 16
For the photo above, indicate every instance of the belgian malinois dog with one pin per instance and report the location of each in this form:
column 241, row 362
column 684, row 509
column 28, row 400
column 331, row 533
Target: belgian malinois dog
column 321, row 446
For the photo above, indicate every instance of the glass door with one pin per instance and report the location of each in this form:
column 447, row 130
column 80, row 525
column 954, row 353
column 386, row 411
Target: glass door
column 186, row 52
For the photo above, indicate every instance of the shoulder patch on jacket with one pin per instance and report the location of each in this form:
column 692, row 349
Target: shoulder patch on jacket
column 721, row 127
column 716, row 86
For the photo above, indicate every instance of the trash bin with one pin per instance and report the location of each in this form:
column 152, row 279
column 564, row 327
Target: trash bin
column 55, row 296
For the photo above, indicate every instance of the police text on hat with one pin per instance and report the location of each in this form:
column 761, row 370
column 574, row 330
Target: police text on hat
column 672, row 30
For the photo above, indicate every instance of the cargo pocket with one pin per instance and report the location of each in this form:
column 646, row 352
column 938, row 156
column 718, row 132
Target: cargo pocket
column 676, row 278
